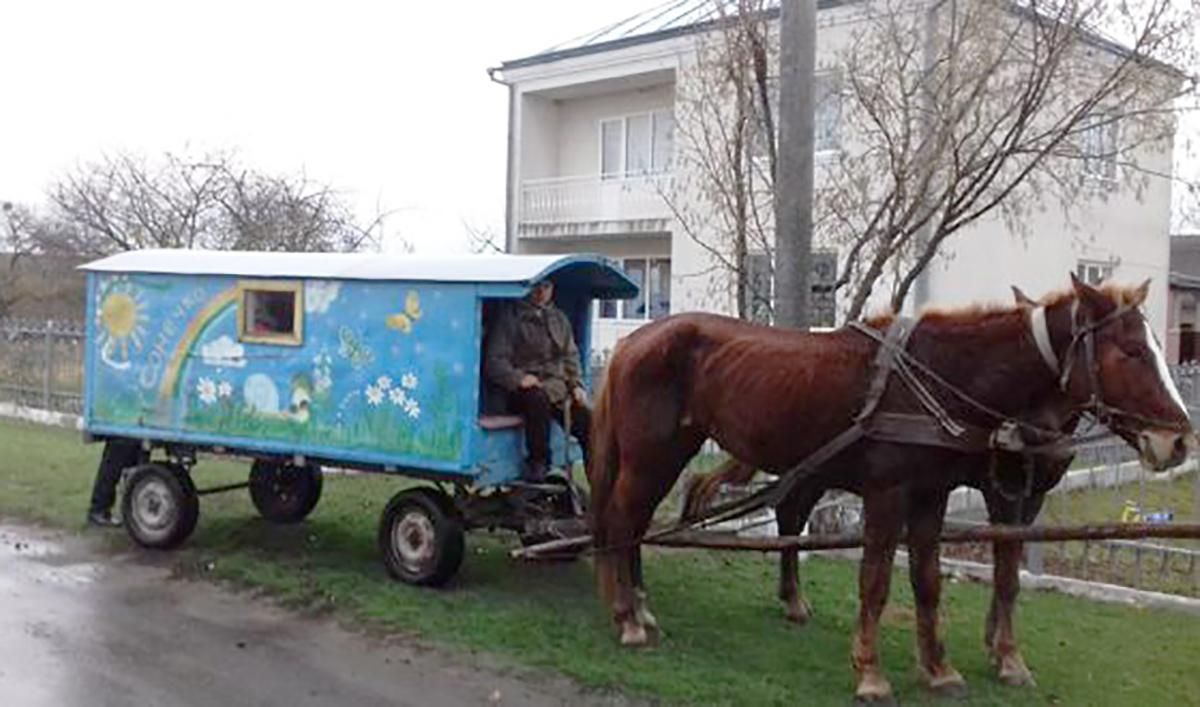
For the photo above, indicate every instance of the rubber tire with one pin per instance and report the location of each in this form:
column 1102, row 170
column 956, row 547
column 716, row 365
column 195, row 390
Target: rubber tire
column 278, row 504
column 178, row 485
column 448, row 546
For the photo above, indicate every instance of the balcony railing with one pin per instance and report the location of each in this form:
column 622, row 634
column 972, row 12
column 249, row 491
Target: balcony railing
column 593, row 198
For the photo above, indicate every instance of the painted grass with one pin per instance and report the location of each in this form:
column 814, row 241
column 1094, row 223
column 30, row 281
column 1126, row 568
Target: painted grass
column 725, row 643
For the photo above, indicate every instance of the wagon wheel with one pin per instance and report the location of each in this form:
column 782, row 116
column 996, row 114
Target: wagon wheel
column 421, row 537
column 160, row 507
column 284, row 493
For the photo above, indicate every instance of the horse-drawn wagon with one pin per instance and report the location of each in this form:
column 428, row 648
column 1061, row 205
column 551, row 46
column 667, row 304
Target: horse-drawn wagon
column 304, row 361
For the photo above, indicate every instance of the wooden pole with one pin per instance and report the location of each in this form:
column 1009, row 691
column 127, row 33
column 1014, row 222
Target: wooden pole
column 987, row 533
column 794, row 177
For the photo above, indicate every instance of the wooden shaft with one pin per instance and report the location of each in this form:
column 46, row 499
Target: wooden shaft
column 841, row 541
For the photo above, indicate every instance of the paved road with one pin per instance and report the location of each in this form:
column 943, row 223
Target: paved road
column 80, row 628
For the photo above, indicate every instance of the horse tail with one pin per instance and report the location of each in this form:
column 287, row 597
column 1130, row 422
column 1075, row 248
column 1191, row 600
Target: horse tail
column 704, row 487
column 602, row 461
column 603, row 467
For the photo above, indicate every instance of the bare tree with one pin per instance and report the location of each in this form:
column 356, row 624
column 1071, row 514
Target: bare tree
column 483, row 239
column 11, row 250
column 951, row 111
column 126, row 202
column 30, row 280
column 724, row 107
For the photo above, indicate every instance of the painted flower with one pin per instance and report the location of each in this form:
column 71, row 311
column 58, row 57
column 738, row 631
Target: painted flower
column 398, row 397
column 207, row 390
column 374, row 395
column 409, row 381
column 224, row 389
column 322, row 381
column 413, row 408
column 384, row 382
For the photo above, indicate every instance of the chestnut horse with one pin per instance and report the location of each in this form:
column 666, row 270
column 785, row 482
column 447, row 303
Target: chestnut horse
column 1014, row 487
column 772, row 397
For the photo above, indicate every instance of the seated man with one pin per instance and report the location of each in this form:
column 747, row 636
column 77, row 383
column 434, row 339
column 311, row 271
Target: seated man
column 531, row 354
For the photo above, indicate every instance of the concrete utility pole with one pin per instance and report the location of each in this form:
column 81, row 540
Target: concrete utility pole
column 794, row 182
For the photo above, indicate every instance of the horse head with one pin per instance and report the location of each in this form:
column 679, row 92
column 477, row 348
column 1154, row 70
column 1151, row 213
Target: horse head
column 1113, row 367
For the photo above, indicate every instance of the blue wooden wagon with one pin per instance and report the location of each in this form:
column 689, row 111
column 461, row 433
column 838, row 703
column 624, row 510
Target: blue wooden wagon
column 301, row 361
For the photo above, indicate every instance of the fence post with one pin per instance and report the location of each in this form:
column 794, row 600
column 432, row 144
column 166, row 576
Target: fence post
column 47, row 368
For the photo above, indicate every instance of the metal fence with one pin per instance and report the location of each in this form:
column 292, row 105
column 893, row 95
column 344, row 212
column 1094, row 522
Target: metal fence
column 41, row 364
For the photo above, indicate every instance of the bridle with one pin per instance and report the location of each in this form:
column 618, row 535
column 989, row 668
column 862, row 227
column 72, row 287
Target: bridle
column 1083, row 339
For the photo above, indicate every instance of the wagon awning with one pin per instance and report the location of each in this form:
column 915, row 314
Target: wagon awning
column 600, row 276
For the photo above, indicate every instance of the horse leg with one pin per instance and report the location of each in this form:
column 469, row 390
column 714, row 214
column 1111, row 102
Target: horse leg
column 883, row 519
column 925, row 514
column 790, row 517
column 642, row 610
column 999, row 635
column 623, row 538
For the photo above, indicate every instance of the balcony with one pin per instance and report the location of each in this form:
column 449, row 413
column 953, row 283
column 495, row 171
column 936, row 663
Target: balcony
column 582, row 207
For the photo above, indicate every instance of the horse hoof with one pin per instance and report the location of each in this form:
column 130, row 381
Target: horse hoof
column 634, row 636
column 874, row 690
column 1011, row 671
column 948, row 685
column 797, row 612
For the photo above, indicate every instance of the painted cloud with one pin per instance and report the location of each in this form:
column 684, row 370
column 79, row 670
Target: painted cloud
column 318, row 295
column 223, row 352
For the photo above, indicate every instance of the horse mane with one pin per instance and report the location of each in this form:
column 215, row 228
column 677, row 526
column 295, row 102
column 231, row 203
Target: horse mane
column 974, row 312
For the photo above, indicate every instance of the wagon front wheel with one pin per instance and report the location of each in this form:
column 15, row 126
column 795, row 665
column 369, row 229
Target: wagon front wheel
column 160, row 507
column 421, row 537
column 284, row 493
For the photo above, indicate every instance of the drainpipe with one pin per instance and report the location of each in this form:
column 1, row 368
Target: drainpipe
column 510, row 215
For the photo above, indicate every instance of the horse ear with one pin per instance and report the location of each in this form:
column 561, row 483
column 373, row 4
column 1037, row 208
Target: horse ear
column 1138, row 296
column 1023, row 300
column 1090, row 297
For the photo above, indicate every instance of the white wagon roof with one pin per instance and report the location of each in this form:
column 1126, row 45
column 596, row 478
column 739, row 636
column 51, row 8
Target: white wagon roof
column 499, row 268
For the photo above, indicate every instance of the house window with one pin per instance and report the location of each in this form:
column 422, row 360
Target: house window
column 1092, row 273
column 271, row 312
column 827, row 115
column 653, row 301
column 821, row 301
column 758, row 287
column 612, row 138
column 1099, row 145
column 636, row 144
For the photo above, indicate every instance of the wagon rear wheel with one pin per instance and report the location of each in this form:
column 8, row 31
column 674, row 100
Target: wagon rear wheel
column 421, row 537
column 160, row 507
column 284, row 493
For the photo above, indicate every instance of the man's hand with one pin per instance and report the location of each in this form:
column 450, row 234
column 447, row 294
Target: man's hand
column 580, row 396
column 529, row 381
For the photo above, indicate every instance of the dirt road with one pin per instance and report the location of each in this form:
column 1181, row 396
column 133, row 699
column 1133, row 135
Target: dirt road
column 79, row 627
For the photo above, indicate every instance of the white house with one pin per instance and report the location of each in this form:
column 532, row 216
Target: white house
column 591, row 138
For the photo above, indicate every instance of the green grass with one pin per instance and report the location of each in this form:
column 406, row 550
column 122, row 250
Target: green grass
column 725, row 640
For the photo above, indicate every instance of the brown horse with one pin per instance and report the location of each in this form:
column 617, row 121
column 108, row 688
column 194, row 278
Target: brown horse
column 1014, row 487
column 772, row 397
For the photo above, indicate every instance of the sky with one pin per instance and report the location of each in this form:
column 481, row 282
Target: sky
column 389, row 102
